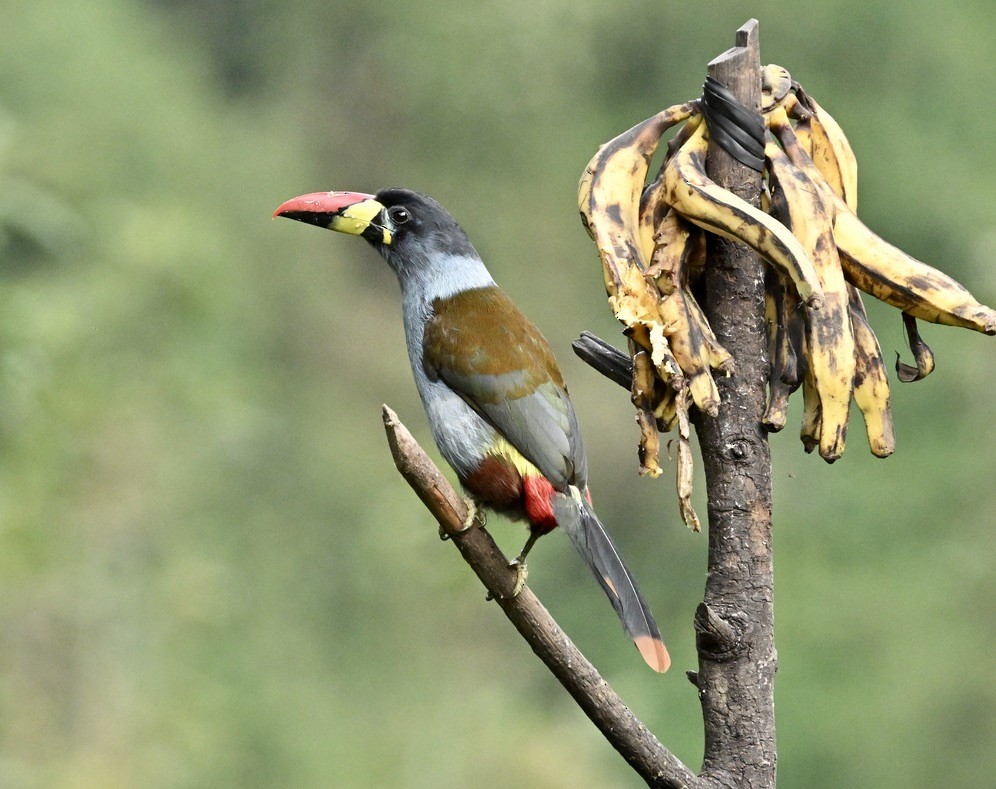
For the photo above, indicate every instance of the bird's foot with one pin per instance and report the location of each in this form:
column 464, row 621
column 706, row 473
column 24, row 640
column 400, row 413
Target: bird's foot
column 472, row 514
column 521, row 574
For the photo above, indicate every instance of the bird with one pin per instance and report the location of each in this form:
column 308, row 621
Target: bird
column 494, row 396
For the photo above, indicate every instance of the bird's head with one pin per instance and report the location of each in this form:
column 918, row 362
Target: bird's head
column 410, row 230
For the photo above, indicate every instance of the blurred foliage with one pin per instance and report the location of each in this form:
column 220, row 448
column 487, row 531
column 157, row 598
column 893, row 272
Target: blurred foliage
column 210, row 574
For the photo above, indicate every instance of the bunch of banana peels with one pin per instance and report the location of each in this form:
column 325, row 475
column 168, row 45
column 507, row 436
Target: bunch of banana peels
column 651, row 238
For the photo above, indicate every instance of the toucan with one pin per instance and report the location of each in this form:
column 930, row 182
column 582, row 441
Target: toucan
column 493, row 393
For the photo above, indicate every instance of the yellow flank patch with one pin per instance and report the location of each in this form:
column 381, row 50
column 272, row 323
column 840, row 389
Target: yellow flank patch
column 503, row 449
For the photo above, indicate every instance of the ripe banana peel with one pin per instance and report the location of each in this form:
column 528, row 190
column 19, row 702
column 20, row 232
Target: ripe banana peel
column 829, row 148
column 799, row 204
column 692, row 340
column 881, row 269
column 817, row 147
column 651, row 240
column 782, row 318
column 609, row 202
column 871, row 383
column 776, row 86
column 700, row 200
column 889, row 274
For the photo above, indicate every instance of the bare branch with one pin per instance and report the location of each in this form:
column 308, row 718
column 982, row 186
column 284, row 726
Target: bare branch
column 605, row 358
column 624, row 731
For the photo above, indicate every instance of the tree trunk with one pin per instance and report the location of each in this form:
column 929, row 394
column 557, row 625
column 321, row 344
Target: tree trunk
column 735, row 624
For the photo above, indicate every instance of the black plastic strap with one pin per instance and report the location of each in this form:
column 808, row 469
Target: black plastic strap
column 736, row 129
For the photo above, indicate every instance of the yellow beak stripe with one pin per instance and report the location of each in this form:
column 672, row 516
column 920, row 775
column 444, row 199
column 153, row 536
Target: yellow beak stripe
column 355, row 219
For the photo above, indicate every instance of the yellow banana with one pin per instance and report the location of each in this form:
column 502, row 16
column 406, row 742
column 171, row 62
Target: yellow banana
column 776, row 84
column 776, row 413
column 643, row 394
column 797, row 143
column 805, row 139
column 702, row 201
column 692, row 340
column 608, row 200
column 652, row 203
column 612, row 183
column 811, row 416
column 800, row 205
column 679, row 254
column 685, row 335
column 649, row 335
column 666, row 410
column 885, row 271
column 833, row 156
column 680, row 138
column 719, row 358
column 871, row 384
column 674, row 244
column 671, row 247
column 689, row 349
column 684, row 464
column 830, row 150
column 652, row 207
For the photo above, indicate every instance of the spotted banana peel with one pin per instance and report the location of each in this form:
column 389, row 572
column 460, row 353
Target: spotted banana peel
column 690, row 191
column 798, row 203
column 609, row 202
column 651, row 241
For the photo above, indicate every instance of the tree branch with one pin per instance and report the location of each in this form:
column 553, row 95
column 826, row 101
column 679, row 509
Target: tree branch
column 604, row 358
column 624, row 731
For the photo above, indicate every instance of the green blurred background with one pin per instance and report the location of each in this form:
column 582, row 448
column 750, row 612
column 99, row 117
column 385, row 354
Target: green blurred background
column 210, row 573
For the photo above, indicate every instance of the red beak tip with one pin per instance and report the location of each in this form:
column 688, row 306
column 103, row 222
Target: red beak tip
column 321, row 202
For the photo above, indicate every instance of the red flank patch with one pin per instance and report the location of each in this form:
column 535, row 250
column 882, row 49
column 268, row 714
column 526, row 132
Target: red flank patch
column 538, row 495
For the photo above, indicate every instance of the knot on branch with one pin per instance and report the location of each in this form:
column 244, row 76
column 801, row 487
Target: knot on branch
column 740, row 450
column 718, row 637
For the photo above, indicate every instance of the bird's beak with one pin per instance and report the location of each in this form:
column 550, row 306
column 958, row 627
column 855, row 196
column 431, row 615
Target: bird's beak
column 346, row 212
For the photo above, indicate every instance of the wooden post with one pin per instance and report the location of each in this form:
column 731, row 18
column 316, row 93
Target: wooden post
column 734, row 624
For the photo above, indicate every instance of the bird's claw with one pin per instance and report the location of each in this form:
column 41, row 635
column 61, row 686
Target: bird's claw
column 472, row 514
column 521, row 573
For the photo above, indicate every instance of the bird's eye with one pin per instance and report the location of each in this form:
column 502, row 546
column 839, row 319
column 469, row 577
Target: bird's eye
column 399, row 215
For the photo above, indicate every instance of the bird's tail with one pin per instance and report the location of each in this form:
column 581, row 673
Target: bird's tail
column 576, row 516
